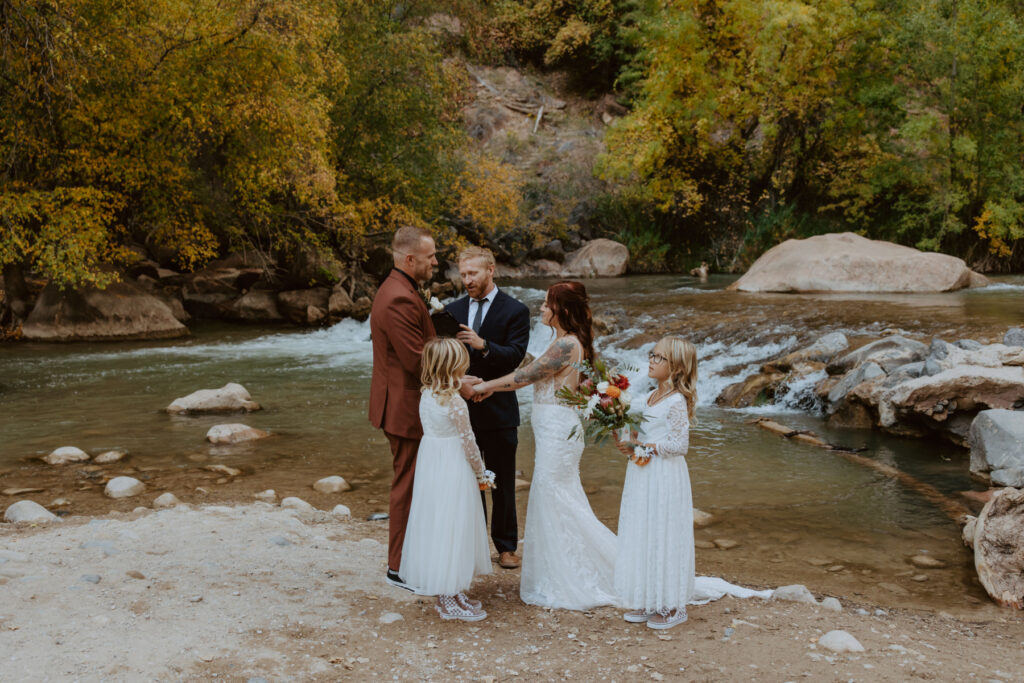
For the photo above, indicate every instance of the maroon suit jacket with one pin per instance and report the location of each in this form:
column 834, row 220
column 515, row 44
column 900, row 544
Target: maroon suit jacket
column 399, row 327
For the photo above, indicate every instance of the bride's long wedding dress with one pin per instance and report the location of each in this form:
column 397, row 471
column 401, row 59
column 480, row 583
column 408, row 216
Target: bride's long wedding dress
column 568, row 554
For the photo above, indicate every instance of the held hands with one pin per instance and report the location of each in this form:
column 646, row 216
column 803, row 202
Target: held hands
column 638, row 453
column 471, row 338
column 481, row 391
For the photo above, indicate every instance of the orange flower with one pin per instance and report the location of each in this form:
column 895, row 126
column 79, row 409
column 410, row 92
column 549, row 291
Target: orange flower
column 613, row 391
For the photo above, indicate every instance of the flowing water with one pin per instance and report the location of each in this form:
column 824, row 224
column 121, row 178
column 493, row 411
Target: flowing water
column 798, row 514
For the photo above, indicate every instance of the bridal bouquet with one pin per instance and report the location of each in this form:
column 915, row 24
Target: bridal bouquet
column 603, row 398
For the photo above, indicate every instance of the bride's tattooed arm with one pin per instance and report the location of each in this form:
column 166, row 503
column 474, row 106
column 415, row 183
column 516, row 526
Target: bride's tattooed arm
column 557, row 357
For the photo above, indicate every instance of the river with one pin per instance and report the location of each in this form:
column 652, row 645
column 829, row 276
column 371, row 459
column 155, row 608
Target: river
column 798, row 514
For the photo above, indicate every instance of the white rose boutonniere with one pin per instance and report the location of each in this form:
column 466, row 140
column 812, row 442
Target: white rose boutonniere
column 435, row 305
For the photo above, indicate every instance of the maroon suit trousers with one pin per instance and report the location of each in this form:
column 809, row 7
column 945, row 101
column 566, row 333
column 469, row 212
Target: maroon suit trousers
column 403, row 451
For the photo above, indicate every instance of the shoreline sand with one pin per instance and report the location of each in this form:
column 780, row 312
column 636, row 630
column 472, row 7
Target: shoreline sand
column 254, row 591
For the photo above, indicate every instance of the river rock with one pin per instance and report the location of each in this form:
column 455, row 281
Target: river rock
column 888, row 353
column 927, row 562
column 341, row 511
column 598, row 258
column 268, row 496
column 123, row 487
column 701, row 519
column 123, row 310
column 862, row 373
column 305, row 306
column 64, row 455
column 847, row 262
column 293, row 503
column 212, row 291
column 967, row 533
column 832, row 604
column 234, row 433
column 166, row 500
column 999, row 547
column 29, row 511
column 229, row 398
column 256, row 305
column 1014, row 337
column 109, row 457
column 948, row 402
column 794, row 593
column 997, row 446
column 840, row 641
column 390, row 617
column 820, row 351
column 334, row 484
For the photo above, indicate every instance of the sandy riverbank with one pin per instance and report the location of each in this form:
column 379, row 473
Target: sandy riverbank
column 254, row 591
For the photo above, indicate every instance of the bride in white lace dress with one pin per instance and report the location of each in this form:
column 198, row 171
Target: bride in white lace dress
column 568, row 554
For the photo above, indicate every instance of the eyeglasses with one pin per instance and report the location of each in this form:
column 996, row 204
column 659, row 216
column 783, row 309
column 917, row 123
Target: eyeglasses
column 656, row 358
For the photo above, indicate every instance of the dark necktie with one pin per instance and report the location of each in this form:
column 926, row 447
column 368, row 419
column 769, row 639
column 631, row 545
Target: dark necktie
column 478, row 318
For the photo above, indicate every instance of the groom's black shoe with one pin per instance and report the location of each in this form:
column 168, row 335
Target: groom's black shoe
column 395, row 580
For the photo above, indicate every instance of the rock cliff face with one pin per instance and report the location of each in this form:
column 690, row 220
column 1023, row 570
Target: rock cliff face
column 847, row 262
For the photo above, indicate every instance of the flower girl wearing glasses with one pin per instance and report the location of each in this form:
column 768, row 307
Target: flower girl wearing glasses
column 654, row 569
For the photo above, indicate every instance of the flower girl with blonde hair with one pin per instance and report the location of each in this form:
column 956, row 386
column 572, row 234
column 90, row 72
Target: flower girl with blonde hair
column 654, row 568
column 446, row 541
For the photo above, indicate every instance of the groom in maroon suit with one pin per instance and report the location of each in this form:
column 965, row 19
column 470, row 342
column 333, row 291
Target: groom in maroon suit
column 399, row 327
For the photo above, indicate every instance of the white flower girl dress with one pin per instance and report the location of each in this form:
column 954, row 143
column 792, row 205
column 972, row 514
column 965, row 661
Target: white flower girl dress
column 446, row 541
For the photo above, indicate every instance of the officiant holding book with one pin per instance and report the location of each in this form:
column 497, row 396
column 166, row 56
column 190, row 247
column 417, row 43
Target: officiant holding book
column 496, row 329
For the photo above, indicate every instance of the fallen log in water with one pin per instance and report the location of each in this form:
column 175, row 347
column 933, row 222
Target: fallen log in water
column 956, row 511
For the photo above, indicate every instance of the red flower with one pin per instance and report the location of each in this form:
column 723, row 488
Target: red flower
column 622, row 382
column 606, row 401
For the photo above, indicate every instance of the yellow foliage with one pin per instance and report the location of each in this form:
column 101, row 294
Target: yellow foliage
column 488, row 195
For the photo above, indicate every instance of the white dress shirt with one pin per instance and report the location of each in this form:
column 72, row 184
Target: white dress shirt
column 488, row 299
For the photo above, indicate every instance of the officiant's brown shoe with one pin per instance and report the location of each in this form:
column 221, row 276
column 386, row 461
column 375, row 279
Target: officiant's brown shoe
column 509, row 560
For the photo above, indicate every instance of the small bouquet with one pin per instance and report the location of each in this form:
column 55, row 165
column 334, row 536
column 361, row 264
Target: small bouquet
column 485, row 480
column 603, row 398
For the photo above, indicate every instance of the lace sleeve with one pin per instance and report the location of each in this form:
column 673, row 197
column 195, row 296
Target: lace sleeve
column 677, row 438
column 460, row 414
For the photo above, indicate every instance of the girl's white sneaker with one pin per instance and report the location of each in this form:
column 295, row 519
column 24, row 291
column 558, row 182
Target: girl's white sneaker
column 667, row 618
column 637, row 616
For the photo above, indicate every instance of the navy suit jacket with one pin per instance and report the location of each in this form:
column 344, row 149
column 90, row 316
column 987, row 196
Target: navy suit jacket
column 506, row 327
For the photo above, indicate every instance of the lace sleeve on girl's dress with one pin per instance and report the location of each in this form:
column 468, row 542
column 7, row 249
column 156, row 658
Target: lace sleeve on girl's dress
column 460, row 415
column 677, row 439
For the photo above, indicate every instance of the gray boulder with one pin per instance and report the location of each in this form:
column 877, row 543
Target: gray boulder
column 29, row 511
column 305, row 306
column 256, row 305
column 889, row 353
column 1014, row 337
column 862, row 373
column 997, row 446
column 598, row 258
column 231, row 397
column 820, row 351
column 121, row 311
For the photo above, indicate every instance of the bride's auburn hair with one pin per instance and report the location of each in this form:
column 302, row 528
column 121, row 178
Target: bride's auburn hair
column 444, row 363
column 570, row 304
column 681, row 356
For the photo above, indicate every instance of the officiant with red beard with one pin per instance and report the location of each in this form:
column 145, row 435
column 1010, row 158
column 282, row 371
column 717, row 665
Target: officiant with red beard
column 496, row 329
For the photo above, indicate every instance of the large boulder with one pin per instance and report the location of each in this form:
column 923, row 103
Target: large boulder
column 228, row 399
column 999, row 547
column 211, row 292
column 256, row 305
column 847, row 262
column 121, row 311
column 1014, row 336
column 65, row 455
column 598, row 258
column 305, row 306
column 889, row 353
column 820, row 351
column 948, row 401
column 853, row 378
column 997, row 446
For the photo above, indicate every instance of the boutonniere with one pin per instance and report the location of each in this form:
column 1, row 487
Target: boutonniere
column 433, row 304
